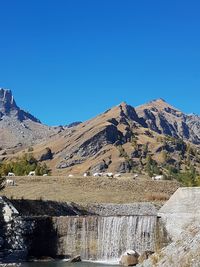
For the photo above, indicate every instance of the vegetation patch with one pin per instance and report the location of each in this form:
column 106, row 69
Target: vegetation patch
column 22, row 166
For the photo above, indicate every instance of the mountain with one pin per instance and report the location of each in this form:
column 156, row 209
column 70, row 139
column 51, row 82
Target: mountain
column 165, row 119
column 19, row 129
column 122, row 138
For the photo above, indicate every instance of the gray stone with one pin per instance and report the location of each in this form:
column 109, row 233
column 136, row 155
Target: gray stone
column 180, row 210
column 76, row 259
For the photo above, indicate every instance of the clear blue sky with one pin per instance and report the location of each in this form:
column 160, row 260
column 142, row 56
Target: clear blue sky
column 70, row 60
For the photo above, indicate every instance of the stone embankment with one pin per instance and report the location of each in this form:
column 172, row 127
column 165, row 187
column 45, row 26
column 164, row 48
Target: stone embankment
column 140, row 208
column 181, row 216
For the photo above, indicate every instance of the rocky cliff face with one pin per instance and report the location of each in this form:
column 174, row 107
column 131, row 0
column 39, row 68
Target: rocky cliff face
column 7, row 103
column 165, row 119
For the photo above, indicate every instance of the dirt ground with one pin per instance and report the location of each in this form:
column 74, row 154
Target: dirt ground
column 91, row 189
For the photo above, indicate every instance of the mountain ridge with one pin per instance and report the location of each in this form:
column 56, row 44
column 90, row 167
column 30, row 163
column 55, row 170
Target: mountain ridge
column 120, row 139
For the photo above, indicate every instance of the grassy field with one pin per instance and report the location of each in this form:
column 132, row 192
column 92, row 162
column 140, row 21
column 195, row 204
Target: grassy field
column 90, row 189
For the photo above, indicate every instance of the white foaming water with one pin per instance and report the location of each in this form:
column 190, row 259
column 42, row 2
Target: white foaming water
column 104, row 239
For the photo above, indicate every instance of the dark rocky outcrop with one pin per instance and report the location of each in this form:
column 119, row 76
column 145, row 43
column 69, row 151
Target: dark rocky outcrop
column 70, row 163
column 109, row 135
column 128, row 115
column 76, row 259
column 47, row 155
column 125, row 167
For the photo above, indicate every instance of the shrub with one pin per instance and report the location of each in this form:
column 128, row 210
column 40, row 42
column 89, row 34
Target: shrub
column 24, row 165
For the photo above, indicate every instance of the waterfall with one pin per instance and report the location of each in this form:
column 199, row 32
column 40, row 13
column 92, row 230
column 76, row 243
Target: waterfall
column 106, row 238
column 118, row 234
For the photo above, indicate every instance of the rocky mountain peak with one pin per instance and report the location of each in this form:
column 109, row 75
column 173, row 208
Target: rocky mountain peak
column 124, row 114
column 159, row 100
column 7, row 102
column 8, row 107
column 159, row 105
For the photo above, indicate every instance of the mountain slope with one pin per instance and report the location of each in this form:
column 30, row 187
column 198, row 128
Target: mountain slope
column 95, row 141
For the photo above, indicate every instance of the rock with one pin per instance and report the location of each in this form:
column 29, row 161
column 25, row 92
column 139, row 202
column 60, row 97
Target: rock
column 109, row 134
column 76, row 259
column 47, row 154
column 70, row 163
column 144, row 256
column 124, row 167
column 73, row 124
column 100, row 167
column 1, row 242
column 136, row 154
column 129, row 258
column 113, row 121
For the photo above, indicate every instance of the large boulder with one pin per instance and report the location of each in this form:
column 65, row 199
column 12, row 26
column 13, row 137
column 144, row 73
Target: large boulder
column 129, row 258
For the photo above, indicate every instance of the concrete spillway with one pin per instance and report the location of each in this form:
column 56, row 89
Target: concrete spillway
column 105, row 238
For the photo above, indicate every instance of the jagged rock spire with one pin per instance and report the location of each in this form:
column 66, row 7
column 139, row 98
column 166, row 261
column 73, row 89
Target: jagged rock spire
column 7, row 102
column 9, row 107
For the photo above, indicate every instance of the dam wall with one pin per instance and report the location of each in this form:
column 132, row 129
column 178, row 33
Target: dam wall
column 103, row 233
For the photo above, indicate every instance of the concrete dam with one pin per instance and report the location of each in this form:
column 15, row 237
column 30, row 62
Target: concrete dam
column 105, row 238
column 97, row 237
